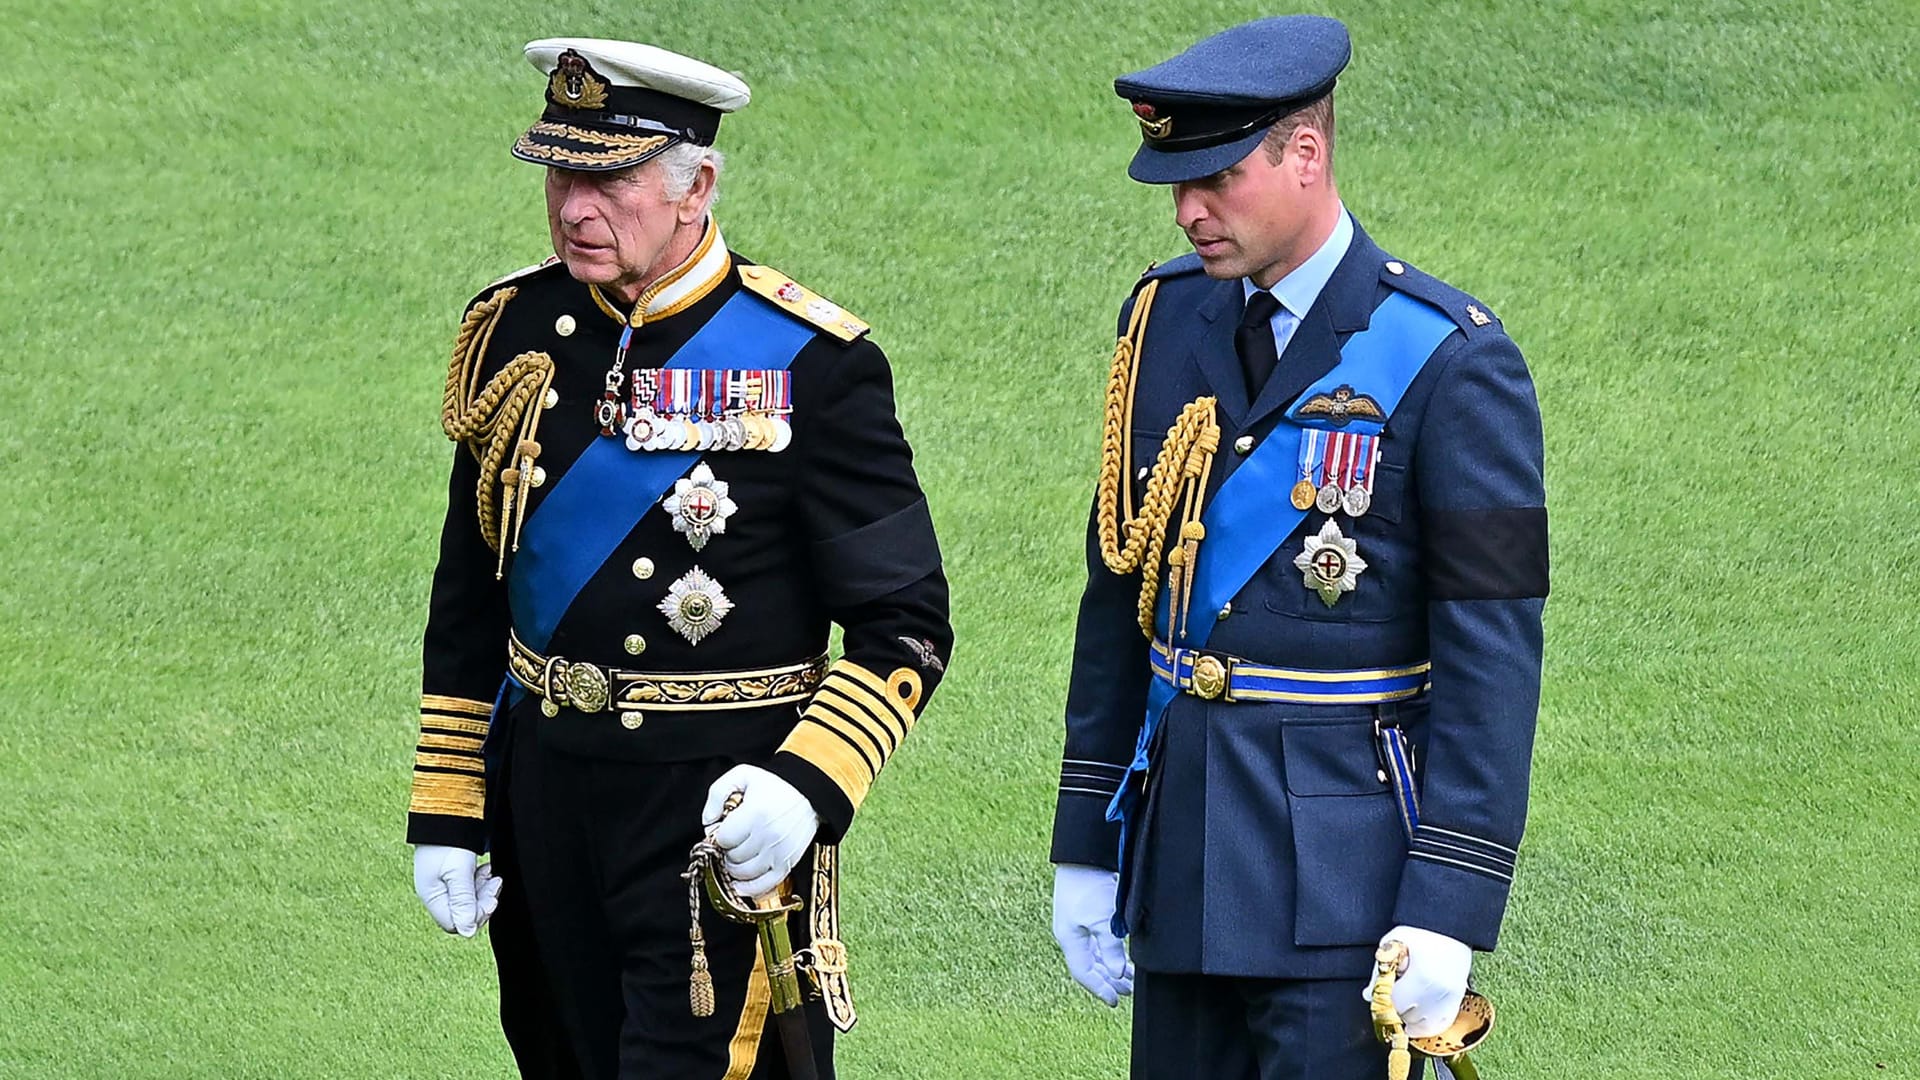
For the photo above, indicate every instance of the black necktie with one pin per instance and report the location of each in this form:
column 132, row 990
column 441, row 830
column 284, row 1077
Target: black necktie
column 1254, row 341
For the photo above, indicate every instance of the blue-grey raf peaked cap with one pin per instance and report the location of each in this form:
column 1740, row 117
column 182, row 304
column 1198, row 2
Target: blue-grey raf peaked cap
column 1207, row 108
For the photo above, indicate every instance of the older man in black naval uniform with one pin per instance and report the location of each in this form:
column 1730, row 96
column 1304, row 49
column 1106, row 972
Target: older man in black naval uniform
column 1307, row 665
column 676, row 468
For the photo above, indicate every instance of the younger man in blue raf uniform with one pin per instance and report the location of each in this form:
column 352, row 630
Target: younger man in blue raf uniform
column 1308, row 656
column 676, row 469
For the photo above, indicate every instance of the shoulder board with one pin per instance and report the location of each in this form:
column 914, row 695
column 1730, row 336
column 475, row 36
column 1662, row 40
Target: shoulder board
column 803, row 303
column 1472, row 316
column 1184, row 264
column 522, row 272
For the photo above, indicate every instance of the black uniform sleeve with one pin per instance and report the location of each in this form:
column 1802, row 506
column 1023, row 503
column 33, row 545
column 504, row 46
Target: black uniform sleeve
column 463, row 664
column 876, row 565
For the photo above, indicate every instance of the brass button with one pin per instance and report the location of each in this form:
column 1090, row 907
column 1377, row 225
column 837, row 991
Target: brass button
column 632, row 720
column 636, row 644
column 1226, row 609
column 563, row 326
column 643, row 568
column 1394, row 266
column 1243, row 445
column 552, row 398
column 539, row 476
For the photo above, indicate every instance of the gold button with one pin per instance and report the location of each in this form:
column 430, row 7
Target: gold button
column 636, row 644
column 539, row 476
column 632, row 720
column 548, row 708
column 643, row 568
column 563, row 326
column 1243, row 445
column 1226, row 609
column 552, row 398
column 1394, row 266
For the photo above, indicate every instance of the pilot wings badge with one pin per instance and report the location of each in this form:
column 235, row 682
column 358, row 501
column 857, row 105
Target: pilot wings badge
column 1341, row 407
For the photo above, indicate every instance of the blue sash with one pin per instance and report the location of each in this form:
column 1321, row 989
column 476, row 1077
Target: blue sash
column 599, row 500
column 1253, row 514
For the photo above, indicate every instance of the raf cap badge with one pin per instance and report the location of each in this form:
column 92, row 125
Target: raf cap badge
column 1331, row 563
column 1152, row 125
column 1342, row 406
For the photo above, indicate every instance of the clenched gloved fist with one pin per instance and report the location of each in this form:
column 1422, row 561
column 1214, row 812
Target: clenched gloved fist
column 1083, row 899
column 1427, row 995
column 459, row 895
column 766, row 834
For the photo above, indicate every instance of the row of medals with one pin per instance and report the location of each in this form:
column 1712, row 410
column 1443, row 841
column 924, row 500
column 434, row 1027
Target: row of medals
column 647, row 430
column 1331, row 498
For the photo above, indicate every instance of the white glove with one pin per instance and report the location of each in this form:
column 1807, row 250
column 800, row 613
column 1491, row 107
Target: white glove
column 1427, row 995
column 766, row 834
column 1083, row 898
column 459, row 895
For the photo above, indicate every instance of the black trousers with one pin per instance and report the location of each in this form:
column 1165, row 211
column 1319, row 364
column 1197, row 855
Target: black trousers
column 1224, row 1028
column 591, row 936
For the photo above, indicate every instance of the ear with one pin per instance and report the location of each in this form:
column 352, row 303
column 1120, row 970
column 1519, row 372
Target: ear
column 699, row 197
column 1309, row 155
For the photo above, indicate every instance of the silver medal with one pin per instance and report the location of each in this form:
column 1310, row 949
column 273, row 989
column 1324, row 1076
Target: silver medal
column 695, row 605
column 1356, row 501
column 700, row 506
column 782, row 434
column 736, row 433
column 1328, row 499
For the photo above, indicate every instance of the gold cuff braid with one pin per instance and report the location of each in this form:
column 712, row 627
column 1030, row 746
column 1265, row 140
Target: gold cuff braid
column 502, row 417
column 1184, row 462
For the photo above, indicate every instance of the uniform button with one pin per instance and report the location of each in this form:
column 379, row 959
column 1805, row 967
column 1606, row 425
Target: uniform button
column 643, row 568
column 1226, row 609
column 552, row 398
column 539, row 476
column 1394, row 266
column 636, row 644
column 1144, row 470
column 632, row 720
column 1382, row 774
column 1243, row 445
column 563, row 326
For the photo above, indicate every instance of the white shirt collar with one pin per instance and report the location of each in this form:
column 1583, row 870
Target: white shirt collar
column 1299, row 289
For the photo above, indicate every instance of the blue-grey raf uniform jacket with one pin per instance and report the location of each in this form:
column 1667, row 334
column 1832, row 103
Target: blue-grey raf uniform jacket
column 1269, row 843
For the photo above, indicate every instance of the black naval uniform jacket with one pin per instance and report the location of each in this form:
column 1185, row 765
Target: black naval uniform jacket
column 833, row 529
column 1269, row 843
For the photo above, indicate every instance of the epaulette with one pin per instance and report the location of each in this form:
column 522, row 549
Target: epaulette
column 523, row 272
column 1468, row 313
column 803, row 303
column 1184, row 264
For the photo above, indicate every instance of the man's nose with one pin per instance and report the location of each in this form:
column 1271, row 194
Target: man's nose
column 1188, row 208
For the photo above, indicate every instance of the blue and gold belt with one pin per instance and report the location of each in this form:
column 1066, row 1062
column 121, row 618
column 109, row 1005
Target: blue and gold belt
column 1218, row 677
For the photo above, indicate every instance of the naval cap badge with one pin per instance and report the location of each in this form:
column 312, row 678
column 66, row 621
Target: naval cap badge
column 575, row 84
column 700, row 506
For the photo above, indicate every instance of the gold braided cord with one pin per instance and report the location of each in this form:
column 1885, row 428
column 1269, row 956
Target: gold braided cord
column 1183, row 465
column 501, row 418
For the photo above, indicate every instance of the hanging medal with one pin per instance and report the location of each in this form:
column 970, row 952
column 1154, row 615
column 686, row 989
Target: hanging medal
column 1327, row 500
column 609, row 412
column 780, row 390
column 1304, row 490
column 1359, row 495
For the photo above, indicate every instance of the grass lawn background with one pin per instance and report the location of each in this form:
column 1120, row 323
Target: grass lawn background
column 234, row 241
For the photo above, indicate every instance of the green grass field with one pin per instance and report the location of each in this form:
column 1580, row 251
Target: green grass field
column 236, row 238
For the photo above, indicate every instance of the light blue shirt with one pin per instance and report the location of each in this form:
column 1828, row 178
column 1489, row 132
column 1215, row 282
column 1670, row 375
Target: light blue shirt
column 1299, row 289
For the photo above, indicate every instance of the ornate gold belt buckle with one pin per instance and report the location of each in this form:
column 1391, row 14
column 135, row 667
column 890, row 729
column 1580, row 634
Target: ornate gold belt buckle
column 1209, row 678
column 583, row 686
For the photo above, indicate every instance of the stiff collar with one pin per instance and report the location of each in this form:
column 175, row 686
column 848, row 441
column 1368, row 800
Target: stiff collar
column 679, row 288
column 1301, row 287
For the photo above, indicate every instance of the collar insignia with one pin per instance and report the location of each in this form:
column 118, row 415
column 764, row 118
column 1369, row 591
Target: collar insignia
column 1341, row 406
column 1153, row 125
column 575, row 84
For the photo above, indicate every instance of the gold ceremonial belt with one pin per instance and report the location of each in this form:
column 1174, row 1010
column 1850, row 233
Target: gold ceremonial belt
column 592, row 688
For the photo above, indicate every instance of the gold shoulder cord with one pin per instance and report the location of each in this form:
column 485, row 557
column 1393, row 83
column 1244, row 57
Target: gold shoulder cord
column 502, row 416
column 1182, row 468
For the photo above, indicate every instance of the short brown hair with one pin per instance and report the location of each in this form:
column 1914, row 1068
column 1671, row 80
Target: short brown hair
column 1316, row 114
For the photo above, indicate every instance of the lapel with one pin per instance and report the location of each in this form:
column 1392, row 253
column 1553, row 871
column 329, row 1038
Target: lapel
column 1344, row 306
column 1212, row 348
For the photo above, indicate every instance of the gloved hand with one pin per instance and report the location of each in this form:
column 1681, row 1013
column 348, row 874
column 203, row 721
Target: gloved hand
column 1427, row 995
column 1083, row 899
column 766, row 834
column 459, row 895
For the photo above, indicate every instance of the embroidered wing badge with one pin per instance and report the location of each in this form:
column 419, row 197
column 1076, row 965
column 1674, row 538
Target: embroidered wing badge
column 1342, row 407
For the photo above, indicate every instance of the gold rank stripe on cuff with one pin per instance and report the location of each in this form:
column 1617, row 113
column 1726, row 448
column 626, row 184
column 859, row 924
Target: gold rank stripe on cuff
column 854, row 723
column 449, row 770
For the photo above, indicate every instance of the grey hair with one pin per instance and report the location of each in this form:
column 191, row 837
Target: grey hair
column 680, row 163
